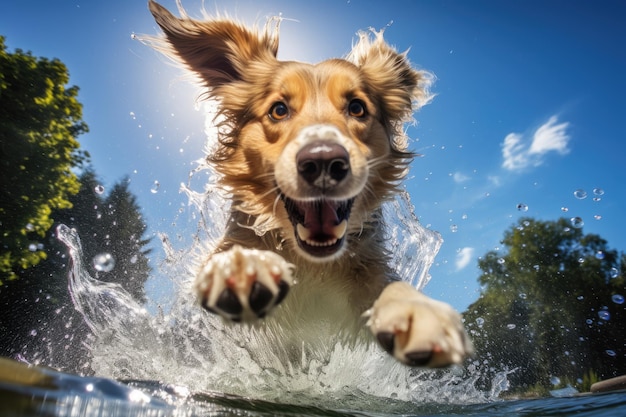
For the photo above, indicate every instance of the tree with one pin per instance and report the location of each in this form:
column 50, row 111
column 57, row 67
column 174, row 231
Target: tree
column 40, row 119
column 551, row 305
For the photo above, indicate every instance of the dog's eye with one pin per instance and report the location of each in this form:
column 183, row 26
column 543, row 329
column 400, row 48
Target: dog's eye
column 278, row 111
column 356, row 108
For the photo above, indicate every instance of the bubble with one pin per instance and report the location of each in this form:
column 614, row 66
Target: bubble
column 604, row 315
column 464, row 217
column 580, row 297
column 511, row 326
column 132, row 115
column 32, row 247
column 522, row 207
column 580, row 194
column 555, row 380
column 589, row 322
column 30, row 227
column 523, row 295
column 155, row 187
column 597, row 217
column 577, row 222
column 617, row 298
column 501, row 261
column 104, row 262
column 599, row 255
column 564, row 209
column 454, row 228
column 133, row 259
column 480, row 321
column 610, row 353
column 614, row 273
column 99, row 189
column 598, row 191
column 596, row 199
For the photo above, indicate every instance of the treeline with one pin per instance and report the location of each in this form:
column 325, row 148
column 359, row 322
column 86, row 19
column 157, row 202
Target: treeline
column 40, row 120
column 552, row 307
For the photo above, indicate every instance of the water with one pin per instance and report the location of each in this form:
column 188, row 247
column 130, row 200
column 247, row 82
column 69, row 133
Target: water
column 181, row 361
column 59, row 394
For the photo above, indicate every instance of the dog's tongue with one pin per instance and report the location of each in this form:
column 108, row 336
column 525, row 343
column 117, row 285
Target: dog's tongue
column 321, row 218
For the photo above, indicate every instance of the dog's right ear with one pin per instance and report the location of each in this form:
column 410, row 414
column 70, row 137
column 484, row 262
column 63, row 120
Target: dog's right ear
column 217, row 50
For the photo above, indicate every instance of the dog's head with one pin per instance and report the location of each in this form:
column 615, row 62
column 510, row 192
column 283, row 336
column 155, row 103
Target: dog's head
column 311, row 150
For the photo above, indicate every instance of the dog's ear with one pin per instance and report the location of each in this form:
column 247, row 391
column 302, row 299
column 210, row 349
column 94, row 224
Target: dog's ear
column 400, row 88
column 217, row 50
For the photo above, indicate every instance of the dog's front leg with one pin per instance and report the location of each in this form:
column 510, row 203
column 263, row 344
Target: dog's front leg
column 243, row 284
column 416, row 329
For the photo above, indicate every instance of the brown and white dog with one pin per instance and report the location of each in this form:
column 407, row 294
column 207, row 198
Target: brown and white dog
column 308, row 153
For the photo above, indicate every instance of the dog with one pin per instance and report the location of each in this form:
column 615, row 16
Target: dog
column 308, row 154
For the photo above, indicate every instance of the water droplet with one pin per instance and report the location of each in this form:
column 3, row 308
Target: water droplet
column 480, row 321
column 581, row 260
column 464, row 217
column 30, row 227
column 589, row 321
column 33, row 332
column 580, row 194
column 604, row 315
column 133, row 259
column 614, row 273
column 618, row 298
column 599, row 255
column 99, row 189
column 104, row 262
column 610, row 352
column 32, row 247
column 598, row 191
column 511, row 326
column 454, row 228
column 580, row 297
column 564, row 209
column 132, row 114
column 155, row 187
column 596, row 199
column 597, row 217
column 522, row 295
column 555, row 380
column 522, row 207
column 501, row 261
column 577, row 222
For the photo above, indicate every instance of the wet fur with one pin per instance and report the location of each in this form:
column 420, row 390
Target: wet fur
column 239, row 70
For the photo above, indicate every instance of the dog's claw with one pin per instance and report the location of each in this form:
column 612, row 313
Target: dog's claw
column 419, row 358
column 283, row 289
column 386, row 340
column 243, row 284
column 229, row 303
column 260, row 297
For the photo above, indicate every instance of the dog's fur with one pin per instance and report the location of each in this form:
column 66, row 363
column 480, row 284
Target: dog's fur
column 309, row 153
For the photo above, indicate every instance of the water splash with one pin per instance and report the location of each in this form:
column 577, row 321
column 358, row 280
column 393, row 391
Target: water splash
column 189, row 347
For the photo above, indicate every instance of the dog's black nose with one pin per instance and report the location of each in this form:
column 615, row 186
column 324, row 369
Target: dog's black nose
column 323, row 164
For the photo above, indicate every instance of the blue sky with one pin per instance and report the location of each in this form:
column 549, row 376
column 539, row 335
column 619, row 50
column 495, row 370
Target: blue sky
column 529, row 108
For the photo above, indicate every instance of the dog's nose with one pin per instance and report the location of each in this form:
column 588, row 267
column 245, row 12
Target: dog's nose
column 323, row 164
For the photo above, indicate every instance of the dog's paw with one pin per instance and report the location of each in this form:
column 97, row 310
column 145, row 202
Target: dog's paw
column 243, row 284
column 416, row 329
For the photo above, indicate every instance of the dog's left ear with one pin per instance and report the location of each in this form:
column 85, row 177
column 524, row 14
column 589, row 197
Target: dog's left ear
column 400, row 88
column 217, row 50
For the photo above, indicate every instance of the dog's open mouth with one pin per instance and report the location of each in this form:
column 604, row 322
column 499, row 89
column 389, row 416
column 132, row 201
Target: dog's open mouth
column 320, row 226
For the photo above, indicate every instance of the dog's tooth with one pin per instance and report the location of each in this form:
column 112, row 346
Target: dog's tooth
column 303, row 233
column 340, row 229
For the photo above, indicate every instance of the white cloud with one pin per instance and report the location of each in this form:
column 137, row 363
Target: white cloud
column 518, row 154
column 463, row 257
column 459, row 177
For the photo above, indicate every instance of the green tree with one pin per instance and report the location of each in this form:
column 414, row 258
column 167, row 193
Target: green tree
column 551, row 305
column 40, row 119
